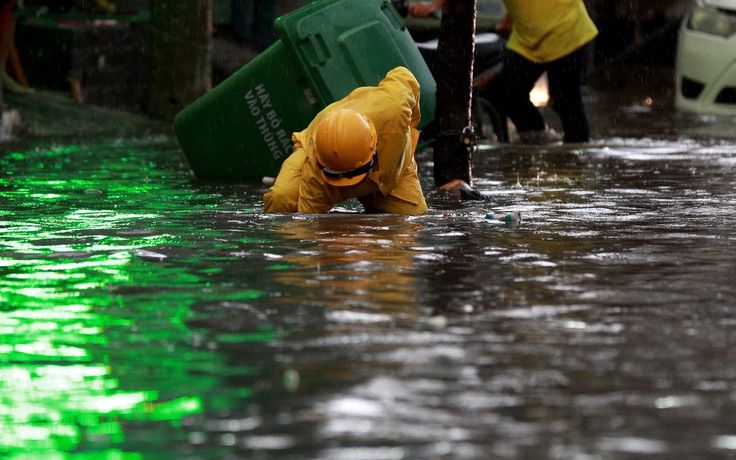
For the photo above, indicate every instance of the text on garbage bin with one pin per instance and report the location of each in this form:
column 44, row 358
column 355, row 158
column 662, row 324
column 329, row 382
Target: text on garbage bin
column 268, row 122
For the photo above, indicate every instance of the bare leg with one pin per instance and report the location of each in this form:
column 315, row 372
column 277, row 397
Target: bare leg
column 6, row 42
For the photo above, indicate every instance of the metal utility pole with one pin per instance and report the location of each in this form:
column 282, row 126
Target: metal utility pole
column 181, row 54
column 454, row 145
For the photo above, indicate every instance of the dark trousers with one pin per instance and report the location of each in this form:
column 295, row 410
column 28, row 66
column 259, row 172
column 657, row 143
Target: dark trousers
column 510, row 93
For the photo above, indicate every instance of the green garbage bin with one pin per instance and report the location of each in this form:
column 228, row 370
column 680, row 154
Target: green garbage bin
column 241, row 129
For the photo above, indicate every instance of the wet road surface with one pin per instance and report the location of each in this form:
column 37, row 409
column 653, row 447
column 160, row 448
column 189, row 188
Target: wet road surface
column 145, row 314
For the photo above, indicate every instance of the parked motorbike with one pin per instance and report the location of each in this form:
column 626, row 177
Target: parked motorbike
column 487, row 122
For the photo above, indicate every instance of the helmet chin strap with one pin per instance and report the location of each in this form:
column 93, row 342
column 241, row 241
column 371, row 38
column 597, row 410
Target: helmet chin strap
column 332, row 174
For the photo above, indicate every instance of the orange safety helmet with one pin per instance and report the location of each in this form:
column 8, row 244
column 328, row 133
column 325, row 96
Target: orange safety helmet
column 346, row 147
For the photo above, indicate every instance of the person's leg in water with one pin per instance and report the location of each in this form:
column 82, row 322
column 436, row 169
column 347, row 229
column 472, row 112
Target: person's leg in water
column 565, row 82
column 8, row 40
column 510, row 93
column 4, row 10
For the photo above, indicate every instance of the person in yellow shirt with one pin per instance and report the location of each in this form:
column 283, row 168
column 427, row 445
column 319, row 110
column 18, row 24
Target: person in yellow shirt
column 546, row 36
column 359, row 147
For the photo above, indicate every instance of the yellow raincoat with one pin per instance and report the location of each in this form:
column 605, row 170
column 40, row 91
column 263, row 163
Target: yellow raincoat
column 546, row 30
column 391, row 187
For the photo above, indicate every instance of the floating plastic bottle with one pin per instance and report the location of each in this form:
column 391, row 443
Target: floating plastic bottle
column 508, row 217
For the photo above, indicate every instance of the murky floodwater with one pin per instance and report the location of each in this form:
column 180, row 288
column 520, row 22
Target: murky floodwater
column 146, row 315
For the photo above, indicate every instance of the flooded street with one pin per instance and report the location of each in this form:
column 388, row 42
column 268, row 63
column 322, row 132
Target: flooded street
column 147, row 315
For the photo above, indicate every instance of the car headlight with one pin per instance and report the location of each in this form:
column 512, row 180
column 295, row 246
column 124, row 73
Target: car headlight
column 712, row 21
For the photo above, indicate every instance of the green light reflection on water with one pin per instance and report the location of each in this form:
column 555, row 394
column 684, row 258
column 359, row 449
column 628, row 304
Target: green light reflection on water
column 58, row 391
column 80, row 377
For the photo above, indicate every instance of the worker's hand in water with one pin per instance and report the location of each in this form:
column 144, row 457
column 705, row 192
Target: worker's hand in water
column 472, row 194
column 466, row 191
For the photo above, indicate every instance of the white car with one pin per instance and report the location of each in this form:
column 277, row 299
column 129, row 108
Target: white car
column 705, row 69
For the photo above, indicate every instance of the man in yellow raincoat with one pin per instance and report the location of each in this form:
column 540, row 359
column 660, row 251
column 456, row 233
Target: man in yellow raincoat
column 359, row 147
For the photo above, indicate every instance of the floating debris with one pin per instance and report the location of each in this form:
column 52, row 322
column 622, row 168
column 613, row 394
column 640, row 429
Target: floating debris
column 509, row 217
